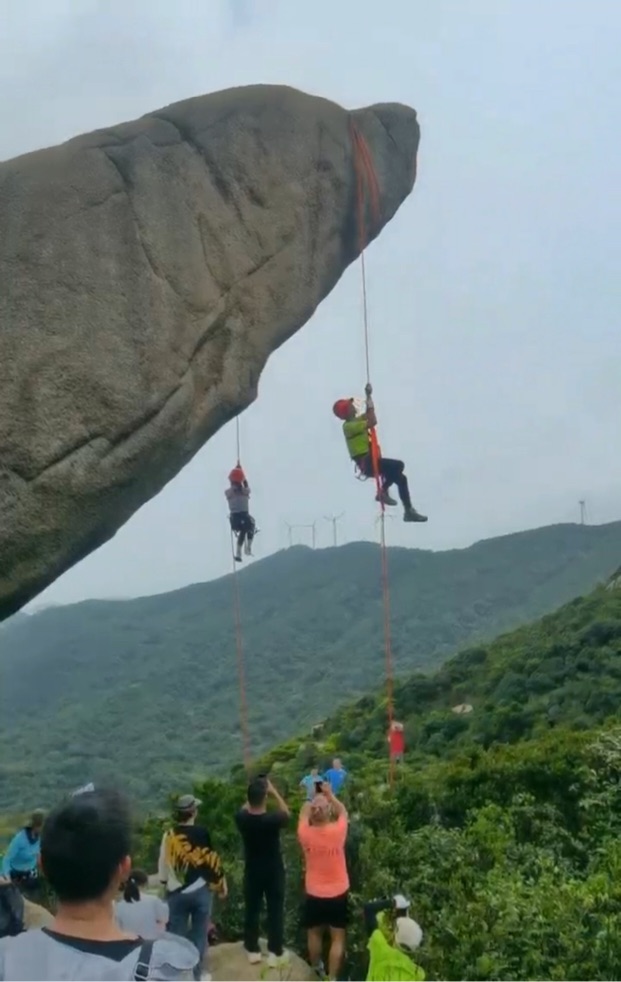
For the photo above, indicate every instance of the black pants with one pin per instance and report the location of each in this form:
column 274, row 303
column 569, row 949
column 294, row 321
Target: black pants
column 31, row 887
column 243, row 526
column 391, row 472
column 271, row 885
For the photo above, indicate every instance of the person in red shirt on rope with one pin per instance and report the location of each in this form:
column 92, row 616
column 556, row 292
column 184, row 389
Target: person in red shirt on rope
column 364, row 450
column 396, row 742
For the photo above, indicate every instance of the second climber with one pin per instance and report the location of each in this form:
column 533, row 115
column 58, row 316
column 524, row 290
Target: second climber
column 357, row 430
column 243, row 524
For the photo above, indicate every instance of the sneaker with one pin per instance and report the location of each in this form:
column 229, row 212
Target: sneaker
column 384, row 498
column 254, row 957
column 206, row 977
column 320, row 969
column 411, row 515
column 276, row 961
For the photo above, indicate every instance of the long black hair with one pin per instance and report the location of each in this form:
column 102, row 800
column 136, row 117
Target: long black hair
column 131, row 890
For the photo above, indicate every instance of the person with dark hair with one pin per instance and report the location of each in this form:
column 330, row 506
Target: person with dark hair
column 21, row 860
column 191, row 871
column 264, row 872
column 143, row 913
column 85, row 846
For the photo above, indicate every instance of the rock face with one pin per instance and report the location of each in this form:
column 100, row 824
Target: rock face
column 36, row 916
column 228, row 963
column 147, row 271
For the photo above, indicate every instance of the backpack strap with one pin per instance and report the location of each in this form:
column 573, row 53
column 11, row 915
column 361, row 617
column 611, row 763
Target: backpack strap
column 143, row 964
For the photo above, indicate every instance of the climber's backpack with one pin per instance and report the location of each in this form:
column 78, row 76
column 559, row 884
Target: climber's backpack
column 11, row 910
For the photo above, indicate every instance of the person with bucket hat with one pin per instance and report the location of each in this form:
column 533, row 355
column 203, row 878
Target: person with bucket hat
column 191, row 872
column 359, row 432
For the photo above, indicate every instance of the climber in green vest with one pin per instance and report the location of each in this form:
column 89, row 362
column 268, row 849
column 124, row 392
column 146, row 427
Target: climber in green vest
column 359, row 431
column 392, row 936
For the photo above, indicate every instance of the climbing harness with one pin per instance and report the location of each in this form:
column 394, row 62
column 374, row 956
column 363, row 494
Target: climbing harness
column 239, row 638
column 366, row 176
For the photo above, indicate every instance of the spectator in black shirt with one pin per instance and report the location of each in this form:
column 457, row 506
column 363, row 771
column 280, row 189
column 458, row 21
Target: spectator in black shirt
column 264, row 872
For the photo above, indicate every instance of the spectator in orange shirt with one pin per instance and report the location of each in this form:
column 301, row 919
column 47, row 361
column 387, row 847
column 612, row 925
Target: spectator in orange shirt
column 322, row 831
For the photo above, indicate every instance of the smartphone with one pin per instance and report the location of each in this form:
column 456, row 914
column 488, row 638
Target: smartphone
column 318, row 787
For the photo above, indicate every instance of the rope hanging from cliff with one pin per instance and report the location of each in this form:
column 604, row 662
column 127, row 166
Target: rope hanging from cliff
column 239, row 636
column 366, row 177
column 237, row 441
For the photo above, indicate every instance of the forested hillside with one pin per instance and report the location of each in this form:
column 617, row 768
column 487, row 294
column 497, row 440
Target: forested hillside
column 563, row 671
column 144, row 688
column 503, row 826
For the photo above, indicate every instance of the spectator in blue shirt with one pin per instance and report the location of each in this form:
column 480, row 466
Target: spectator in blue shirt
column 310, row 781
column 21, row 860
column 336, row 775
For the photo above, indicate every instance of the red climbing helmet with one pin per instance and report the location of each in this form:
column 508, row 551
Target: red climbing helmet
column 341, row 408
column 237, row 475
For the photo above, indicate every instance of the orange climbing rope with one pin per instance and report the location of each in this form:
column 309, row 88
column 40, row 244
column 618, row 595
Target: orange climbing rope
column 366, row 175
column 239, row 638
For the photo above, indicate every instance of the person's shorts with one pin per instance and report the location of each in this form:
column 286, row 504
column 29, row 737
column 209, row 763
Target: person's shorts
column 326, row 911
column 241, row 521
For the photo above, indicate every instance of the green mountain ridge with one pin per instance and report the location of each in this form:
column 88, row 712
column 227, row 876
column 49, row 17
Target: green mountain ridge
column 147, row 688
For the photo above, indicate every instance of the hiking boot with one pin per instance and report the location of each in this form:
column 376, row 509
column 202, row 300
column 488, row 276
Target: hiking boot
column 384, row 498
column 411, row 515
column 254, row 957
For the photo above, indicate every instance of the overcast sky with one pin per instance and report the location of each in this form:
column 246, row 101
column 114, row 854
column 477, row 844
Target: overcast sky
column 495, row 292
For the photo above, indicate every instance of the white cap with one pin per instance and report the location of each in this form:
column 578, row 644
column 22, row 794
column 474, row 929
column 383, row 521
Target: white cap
column 408, row 933
column 401, row 903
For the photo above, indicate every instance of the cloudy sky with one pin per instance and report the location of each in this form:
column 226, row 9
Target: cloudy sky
column 495, row 292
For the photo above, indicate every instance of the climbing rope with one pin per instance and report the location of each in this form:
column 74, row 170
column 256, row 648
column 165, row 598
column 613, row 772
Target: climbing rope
column 239, row 636
column 366, row 175
column 237, row 441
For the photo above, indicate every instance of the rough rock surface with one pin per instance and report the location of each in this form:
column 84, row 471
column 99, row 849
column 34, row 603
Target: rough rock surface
column 147, row 271
column 36, row 916
column 228, row 963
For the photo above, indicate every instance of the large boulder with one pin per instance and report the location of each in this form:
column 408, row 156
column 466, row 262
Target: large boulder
column 36, row 916
column 229, row 963
column 147, row 271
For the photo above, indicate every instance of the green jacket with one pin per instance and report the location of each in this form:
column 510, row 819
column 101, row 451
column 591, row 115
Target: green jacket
column 388, row 963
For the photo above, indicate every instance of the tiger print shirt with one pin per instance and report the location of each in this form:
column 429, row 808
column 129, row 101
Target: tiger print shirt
column 186, row 855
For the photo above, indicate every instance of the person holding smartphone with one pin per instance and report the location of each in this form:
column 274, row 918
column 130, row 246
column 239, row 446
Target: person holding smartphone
column 264, row 871
column 322, row 833
column 312, row 783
